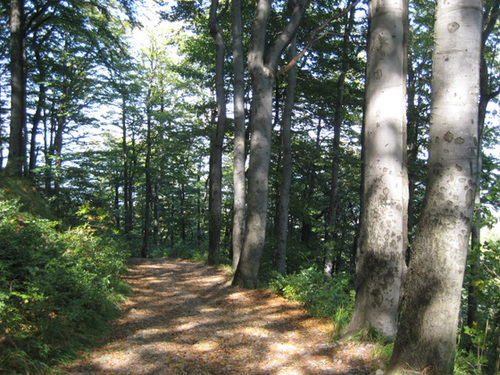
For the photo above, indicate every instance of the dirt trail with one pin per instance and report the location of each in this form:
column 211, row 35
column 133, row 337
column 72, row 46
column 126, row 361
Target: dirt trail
column 186, row 318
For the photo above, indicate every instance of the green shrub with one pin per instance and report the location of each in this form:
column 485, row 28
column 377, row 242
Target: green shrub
column 325, row 297
column 58, row 289
column 183, row 250
column 474, row 360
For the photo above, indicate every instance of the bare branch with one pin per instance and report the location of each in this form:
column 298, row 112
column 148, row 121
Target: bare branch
column 493, row 273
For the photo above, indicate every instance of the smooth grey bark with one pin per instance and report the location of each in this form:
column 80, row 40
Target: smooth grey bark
column 262, row 64
column 215, row 163
column 239, row 134
column 382, row 241
column 17, row 147
column 286, row 167
column 427, row 335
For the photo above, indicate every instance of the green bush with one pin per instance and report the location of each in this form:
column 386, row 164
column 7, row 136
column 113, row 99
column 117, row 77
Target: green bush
column 325, row 297
column 58, row 289
column 183, row 250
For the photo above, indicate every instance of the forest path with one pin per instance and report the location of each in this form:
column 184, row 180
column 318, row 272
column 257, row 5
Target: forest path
column 186, row 318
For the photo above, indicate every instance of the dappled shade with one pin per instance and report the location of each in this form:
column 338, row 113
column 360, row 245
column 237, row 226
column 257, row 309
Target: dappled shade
column 185, row 318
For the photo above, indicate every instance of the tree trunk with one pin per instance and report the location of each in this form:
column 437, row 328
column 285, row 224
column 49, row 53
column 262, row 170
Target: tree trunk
column 131, row 184
column 239, row 135
column 37, row 116
column 487, row 93
column 427, row 333
column 148, row 188
column 127, row 206
column 47, row 151
column 257, row 198
column 382, row 241
column 156, row 213
column 17, row 151
column 331, row 252
column 117, row 206
column 182, row 212
column 1, row 129
column 286, row 168
column 58, row 145
column 262, row 67
column 215, row 165
column 42, row 96
column 412, row 143
column 199, row 210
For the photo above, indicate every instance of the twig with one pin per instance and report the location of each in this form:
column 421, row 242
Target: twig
column 496, row 275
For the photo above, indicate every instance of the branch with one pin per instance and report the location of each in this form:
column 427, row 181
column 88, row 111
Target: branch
column 492, row 18
column 314, row 38
column 494, row 93
column 284, row 39
column 493, row 273
column 213, row 19
column 258, row 37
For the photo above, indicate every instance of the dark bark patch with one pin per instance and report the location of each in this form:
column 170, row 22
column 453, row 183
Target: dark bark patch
column 470, row 198
column 377, row 298
column 452, row 27
column 437, row 168
column 448, row 137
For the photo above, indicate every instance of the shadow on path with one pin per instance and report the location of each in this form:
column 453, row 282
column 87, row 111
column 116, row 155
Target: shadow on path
column 186, row 318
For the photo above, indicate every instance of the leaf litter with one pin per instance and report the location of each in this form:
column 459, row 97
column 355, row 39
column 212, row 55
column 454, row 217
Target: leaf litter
column 185, row 318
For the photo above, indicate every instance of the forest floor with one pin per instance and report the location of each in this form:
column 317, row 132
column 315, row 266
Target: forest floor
column 186, row 318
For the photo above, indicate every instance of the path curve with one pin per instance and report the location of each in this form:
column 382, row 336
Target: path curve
column 186, row 318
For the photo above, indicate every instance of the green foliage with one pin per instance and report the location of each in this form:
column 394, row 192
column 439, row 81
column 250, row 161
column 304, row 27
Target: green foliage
column 474, row 360
column 329, row 298
column 57, row 289
column 478, row 343
column 183, row 250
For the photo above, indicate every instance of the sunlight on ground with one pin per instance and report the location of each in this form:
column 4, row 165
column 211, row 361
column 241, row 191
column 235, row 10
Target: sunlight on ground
column 174, row 327
column 254, row 332
column 206, row 345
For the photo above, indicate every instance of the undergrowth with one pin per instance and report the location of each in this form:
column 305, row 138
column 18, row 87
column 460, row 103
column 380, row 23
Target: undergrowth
column 331, row 297
column 58, row 289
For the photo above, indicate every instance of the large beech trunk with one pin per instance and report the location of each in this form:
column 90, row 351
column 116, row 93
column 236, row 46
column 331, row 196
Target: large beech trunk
column 383, row 233
column 262, row 61
column 427, row 335
column 257, row 195
column 239, row 134
column 215, row 193
column 286, row 167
